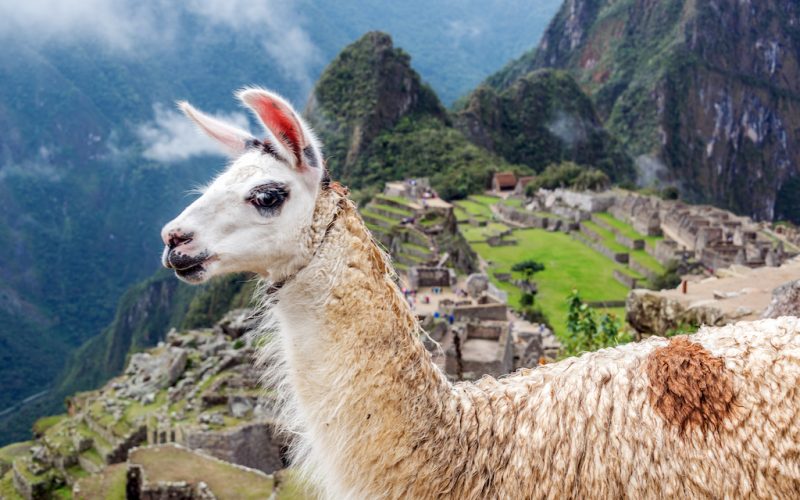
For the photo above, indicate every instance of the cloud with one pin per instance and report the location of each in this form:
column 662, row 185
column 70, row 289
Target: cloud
column 117, row 23
column 129, row 26
column 172, row 137
column 650, row 169
column 567, row 127
column 459, row 29
column 278, row 25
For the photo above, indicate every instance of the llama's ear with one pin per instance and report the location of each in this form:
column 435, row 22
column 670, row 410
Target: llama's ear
column 281, row 120
column 233, row 139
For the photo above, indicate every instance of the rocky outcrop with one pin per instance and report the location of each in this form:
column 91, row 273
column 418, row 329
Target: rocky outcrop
column 785, row 301
column 650, row 313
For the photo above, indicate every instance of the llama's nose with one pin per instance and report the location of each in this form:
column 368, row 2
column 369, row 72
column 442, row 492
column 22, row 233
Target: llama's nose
column 176, row 238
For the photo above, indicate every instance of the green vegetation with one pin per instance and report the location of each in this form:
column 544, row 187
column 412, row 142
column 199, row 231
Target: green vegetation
column 169, row 463
column 544, row 118
column 569, row 175
column 481, row 233
column 41, row 426
column 569, row 264
column 588, row 330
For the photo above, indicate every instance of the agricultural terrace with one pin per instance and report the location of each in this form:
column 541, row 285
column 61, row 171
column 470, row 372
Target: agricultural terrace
column 569, row 263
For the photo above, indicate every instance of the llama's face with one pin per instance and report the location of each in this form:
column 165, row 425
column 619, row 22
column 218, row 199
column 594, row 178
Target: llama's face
column 255, row 215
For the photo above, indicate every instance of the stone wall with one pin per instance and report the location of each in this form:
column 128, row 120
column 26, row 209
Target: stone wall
column 625, row 279
column 430, row 276
column 252, row 445
column 481, row 312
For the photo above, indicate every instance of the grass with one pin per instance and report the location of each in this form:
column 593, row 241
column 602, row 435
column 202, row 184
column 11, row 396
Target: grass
column 397, row 199
column 292, row 487
column 373, row 215
column 12, row 451
column 108, row 485
column 7, row 489
column 393, row 209
column 43, row 424
column 485, row 199
column 461, row 214
column 606, row 237
column 569, row 264
column 626, row 229
column 170, row 463
column 475, row 209
column 647, row 260
column 512, row 202
column 476, row 233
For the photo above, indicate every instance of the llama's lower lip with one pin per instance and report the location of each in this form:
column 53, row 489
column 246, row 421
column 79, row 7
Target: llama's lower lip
column 191, row 273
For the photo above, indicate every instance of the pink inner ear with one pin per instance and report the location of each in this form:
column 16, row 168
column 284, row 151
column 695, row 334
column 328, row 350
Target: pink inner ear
column 281, row 121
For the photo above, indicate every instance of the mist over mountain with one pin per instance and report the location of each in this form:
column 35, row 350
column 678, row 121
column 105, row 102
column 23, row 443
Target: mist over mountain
column 94, row 158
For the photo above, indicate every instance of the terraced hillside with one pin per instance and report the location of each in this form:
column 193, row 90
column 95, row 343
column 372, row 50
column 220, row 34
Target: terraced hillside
column 604, row 259
column 198, row 389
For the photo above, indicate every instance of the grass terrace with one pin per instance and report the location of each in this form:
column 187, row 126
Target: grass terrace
column 477, row 233
column 607, row 238
column 626, row 229
column 569, row 264
column 475, row 208
column 170, row 463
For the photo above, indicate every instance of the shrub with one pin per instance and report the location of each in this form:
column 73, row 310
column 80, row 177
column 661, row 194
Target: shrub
column 569, row 175
column 589, row 330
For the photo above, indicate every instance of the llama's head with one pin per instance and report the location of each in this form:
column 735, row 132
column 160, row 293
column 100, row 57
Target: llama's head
column 257, row 214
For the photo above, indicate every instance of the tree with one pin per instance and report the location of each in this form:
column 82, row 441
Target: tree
column 528, row 268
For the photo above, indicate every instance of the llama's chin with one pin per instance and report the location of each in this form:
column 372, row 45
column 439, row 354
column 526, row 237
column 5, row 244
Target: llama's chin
column 193, row 275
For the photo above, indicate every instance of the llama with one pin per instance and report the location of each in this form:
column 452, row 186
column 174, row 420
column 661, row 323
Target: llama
column 713, row 414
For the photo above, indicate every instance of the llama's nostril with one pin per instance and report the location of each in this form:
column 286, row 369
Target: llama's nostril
column 177, row 239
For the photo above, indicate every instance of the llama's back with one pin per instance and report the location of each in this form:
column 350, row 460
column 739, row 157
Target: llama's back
column 716, row 413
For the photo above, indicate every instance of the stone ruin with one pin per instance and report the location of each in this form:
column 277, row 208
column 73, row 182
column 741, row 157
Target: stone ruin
column 419, row 276
column 479, row 337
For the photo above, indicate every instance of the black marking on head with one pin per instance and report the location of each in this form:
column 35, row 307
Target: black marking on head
column 266, row 148
column 310, row 157
column 268, row 198
column 326, row 179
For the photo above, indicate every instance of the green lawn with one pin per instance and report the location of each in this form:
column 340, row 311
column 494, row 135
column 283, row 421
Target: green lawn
column 396, row 199
column 512, row 202
column 475, row 208
column 607, row 237
column 476, row 233
column 485, row 199
column 627, row 230
column 647, row 260
column 399, row 212
column 569, row 264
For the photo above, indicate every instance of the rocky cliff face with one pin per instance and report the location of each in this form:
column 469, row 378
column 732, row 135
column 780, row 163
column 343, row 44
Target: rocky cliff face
column 704, row 94
column 540, row 118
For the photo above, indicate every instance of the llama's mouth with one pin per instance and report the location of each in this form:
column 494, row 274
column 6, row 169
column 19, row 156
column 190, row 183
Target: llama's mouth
column 189, row 268
column 192, row 274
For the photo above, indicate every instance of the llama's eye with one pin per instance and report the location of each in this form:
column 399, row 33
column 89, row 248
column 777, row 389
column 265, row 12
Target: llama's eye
column 265, row 200
column 268, row 198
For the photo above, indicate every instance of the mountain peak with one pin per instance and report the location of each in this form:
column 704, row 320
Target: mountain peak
column 366, row 89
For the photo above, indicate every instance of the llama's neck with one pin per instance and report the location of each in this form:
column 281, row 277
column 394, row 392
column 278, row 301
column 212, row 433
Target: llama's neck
column 365, row 392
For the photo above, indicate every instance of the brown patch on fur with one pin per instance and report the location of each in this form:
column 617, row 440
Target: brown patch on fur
column 689, row 387
column 339, row 189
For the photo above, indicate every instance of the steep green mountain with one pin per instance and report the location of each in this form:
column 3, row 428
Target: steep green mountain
column 379, row 122
column 93, row 161
column 705, row 94
column 543, row 117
